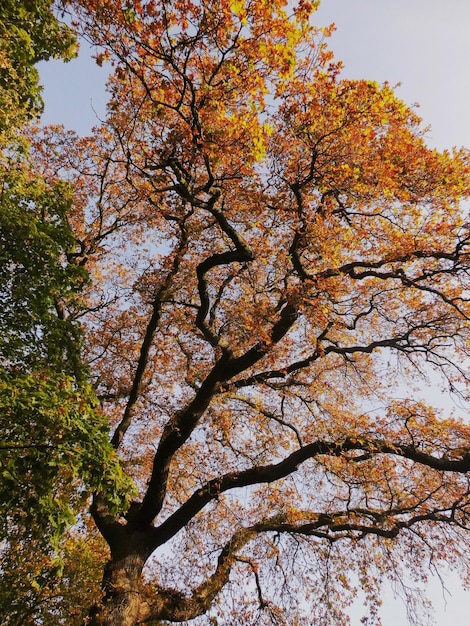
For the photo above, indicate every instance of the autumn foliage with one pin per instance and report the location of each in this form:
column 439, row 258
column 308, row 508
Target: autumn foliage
column 278, row 290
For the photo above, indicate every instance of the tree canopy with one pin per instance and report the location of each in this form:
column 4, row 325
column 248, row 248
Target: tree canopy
column 271, row 263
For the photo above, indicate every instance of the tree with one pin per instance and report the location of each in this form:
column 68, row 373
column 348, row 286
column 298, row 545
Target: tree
column 54, row 446
column 52, row 431
column 275, row 257
column 40, row 587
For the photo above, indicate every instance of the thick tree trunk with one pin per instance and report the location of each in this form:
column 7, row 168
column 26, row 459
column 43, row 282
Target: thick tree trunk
column 123, row 603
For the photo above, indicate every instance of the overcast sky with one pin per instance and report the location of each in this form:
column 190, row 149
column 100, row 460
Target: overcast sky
column 422, row 44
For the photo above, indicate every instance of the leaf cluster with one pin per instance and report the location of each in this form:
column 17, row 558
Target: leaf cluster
column 29, row 32
column 35, row 277
column 54, row 443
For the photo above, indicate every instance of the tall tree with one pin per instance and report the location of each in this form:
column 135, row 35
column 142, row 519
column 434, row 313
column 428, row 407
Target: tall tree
column 277, row 261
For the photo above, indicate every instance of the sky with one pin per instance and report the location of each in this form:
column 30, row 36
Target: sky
column 422, row 44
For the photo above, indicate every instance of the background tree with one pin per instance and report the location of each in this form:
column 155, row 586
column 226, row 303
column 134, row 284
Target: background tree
column 54, row 440
column 51, row 588
column 273, row 252
column 52, row 431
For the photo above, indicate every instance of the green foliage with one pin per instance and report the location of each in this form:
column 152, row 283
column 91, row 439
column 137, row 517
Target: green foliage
column 54, row 440
column 35, row 277
column 29, row 33
column 54, row 443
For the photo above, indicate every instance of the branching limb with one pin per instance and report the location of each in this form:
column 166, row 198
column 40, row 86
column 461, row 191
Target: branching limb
column 175, row 606
column 240, row 254
column 147, row 342
column 180, row 427
column 273, row 472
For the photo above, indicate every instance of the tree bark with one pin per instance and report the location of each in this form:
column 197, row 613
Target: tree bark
column 123, row 602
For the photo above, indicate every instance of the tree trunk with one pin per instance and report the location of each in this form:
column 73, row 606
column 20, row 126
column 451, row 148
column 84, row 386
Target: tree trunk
column 122, row 603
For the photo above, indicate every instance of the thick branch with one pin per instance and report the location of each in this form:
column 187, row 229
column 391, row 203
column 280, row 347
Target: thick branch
column 174, row 606
column 180, row 427
column 241, row 254
column 276, row 471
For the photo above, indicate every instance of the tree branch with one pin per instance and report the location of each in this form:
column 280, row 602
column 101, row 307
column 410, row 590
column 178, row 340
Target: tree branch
column 175, row 606
column 276, row 471
column 241, row 254
column 180, row 427
column 147, row 342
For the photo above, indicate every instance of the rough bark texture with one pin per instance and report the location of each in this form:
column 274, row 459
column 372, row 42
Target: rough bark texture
column 122, row 603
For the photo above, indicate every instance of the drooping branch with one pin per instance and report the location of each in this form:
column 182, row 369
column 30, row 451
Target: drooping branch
column 358, row 522
column 271, row 416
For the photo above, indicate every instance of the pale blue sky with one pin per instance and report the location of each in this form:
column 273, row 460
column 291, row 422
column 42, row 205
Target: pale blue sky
column 424, row 44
